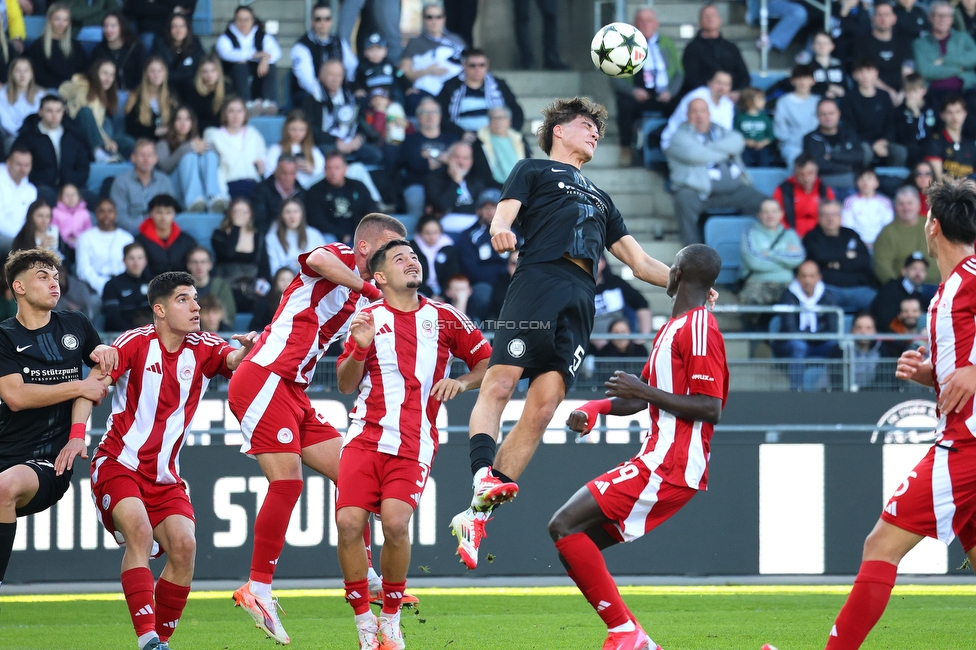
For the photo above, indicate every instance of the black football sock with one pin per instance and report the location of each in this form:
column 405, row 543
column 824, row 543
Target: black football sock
column 501, row 477
column 482, row 451
column 7, row 534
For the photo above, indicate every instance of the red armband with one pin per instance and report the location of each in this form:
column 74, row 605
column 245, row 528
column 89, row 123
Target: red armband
column 358, row 353
column 370, row 292
column 77, row 431
column 593, row 409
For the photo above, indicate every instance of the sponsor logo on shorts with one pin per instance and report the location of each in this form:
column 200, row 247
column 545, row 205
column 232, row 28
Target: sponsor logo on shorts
column 892, row 508
column 516, row 348
column 69, row 341
column 106, row 502
column 285, row 436
column 416, row 497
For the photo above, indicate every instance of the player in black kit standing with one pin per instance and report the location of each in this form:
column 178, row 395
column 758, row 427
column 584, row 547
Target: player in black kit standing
column 545, row 322
column 41, row 352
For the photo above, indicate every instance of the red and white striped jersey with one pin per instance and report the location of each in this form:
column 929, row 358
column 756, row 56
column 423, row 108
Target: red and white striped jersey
column 156, row 396
column 952, row 332
column 688, row 358
column 313, row 314
column 411, row 352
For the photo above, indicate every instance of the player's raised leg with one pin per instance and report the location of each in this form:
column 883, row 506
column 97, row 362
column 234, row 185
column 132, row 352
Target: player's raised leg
column 131, row 521
column 176, row 535
column 18, row 485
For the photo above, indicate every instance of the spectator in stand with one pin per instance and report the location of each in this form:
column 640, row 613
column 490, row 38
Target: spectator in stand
column 466, row 98
column 620, row 348
column 872, row 116
column 14, row 32
column 385, row 16
column 614, row 299
column 150, row 106
column 479, row 261
column 717, row 96
column 501, row 285
column 377, row 70
column 835, row 148
column 121, row 46
column 911, row 283
column 16, row 195
column 791, row 18
column 265, row 306
column 60, row 152
column 888, row 50
column 166, row 246
column 708, row 51
column 965, row 20
column 272, row 191
column 451, row 190
column 829, row 78
column 151, row 18
column 240, row 255
column 902, row 237
column 38, row 231
column 867, row 212
column 336, row 203
column 499, row 146
column 422, row 152
column 199, row 263
column 949, row 152
column 458, row 292
column 770, row 254
column 915, row 120
column 315, row 48
column 19, row 97
column 707, row 172
column 389, row 120
column 337, row 124
column 181, row 50
column 133, row 190
column 432, row 58
column 522, row 18
column 86, row 18
column 93, row 102
column 800, row 195
column 207, row 93
column 945, row 57
column 291, row 236
column 796, row 114
column 100, row 252
column 922, row 178
column 843, row 258
column 296, row 140
column 241, row 150
column 56, row 56
column 70, row 216
column 911, row 19
column 124, row 297
column 864, row 356
column 438, row 259
column 807, row 290
column 653, row 89
column 755, row 125
column 213, row 314
column 908, row 321
column 249, row 55
column 191, row 165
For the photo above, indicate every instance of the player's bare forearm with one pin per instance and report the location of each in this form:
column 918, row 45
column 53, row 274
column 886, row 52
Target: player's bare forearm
column 505, row 214
column 472, row 379
column 331, row 268
column 646, row 268
column 20, row 396
column 622, row 406
column 924, row 375
column 700, row 408
column 349, row 374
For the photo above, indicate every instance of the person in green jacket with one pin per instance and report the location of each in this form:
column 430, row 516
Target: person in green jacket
column 770, row 253
column 945, row 58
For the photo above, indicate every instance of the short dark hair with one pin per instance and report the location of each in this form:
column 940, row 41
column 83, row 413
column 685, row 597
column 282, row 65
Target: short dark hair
column 29, row 258
column 163, row 201
column 863, row 63
column 199, row 249
column 19, row 147
column 867, row 169
column 864, row 313
column 162, row 287
column 335, row 153
column 377, row 222
column 700, row 265
column 287, row 158
column 378, row 259
column 564, row 111
column 803, row 160
column 827, row 100
column 210, row 302
column 809, row 260
column 47, row 99
column 910, row 298
column 473, row 51
column 424, row 220
column 717, row 71
column 128, row 248
column 953, row 204
column 802, row 70
column 952, row 99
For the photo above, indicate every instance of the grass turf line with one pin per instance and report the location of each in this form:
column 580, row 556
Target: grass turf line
column 554, row 619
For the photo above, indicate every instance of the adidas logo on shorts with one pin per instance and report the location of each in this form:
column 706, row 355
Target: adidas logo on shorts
column 601, row 486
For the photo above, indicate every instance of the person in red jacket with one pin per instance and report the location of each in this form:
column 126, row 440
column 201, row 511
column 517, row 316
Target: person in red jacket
column 800, row 195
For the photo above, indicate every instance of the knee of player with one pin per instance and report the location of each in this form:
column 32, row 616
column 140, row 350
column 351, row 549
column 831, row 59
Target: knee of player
column 138, row 537
column 558, row 526
column 397, row 530
column 183, row 550
column 9, row 492
column 349, row 525
column 499, row 389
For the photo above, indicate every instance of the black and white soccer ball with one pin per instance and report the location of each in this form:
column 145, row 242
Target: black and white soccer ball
column 619, row 50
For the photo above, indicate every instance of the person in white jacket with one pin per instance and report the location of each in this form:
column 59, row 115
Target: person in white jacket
column 716, row 95
column 19, row 97
column 100, row 255
column 249, row 55
column 241, row 149
column 290, row 236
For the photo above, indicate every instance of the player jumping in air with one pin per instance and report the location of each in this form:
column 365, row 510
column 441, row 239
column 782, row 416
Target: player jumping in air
column 938, row 498
column 545, row 323
column 267, row 395
column 684, row 385
column 41, row 354
column 163, row 373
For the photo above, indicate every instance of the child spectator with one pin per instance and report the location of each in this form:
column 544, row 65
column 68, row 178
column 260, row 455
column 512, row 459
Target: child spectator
column 377, row 71
column 191, row 164
column 871, row 114
column 56, row 56
column 867, row 212
column 829, row 79
column 296, row 139
column 207, row 92
column 290, row 236
column 249, row 55
column 458, row 292
column 388, row 117
column 19, row 97
column 213, row 315
column 915, row 120
column 948, row 151
column 241, row 149
column 70, row 216
column 755, row 126
column 151, row 104
column 796, row 114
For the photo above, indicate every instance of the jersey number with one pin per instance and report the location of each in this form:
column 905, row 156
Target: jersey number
column 627, row 472
column 424, row 470
column 577, row 360
column 903, row 488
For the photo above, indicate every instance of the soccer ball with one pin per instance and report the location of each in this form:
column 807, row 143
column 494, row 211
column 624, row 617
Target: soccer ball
column 619, row 50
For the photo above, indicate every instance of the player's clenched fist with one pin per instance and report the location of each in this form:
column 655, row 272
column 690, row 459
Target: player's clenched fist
column 583, row 419
column 361, row 329
column 504, row 241
column 625, row 385
column 909, row 363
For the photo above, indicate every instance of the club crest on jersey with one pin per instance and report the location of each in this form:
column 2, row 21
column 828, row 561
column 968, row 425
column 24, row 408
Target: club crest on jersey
column 516, row 348
column 106, row 502
column 285, row 436
column 186, row 373
column 427, row 329
column 69, row 341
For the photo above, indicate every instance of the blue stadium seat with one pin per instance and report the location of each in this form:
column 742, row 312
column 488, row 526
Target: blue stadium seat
column 98, row 172
column 724, row 234
column 242, row 321
column 34, row 26
column 767, row 179
column 652, row 154
column 409, row 222
column 896, row 172
column 269, row 126
column 200, row 225
column 203, row 18
column 757, row 80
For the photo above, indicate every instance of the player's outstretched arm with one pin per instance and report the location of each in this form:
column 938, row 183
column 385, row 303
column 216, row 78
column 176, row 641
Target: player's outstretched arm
column 331, row 268
column 448, row 388
column 627, row 250
column 700, row 408
column 20, row 396
column 913, row 366
column 247, row 342
column 583, row 419
column 503, row 240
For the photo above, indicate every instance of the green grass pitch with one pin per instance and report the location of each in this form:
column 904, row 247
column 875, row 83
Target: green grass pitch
column 678, row 618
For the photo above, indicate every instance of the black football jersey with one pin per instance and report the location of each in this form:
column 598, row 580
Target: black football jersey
column 958, row 158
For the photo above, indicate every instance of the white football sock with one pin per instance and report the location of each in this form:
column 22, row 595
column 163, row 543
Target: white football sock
column 261, row 589
column 146, row 638
column 626, row 627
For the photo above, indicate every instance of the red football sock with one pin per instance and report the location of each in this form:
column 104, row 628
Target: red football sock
column 393, row 596
column 170, row 601
column 865, row 605
column 368, row 540
column 357, row 593
column 589, row 572
column 270, row 526
column 137, row 585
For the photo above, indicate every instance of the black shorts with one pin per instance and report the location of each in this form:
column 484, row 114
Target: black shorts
column 50, row 486
column 546, row 321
